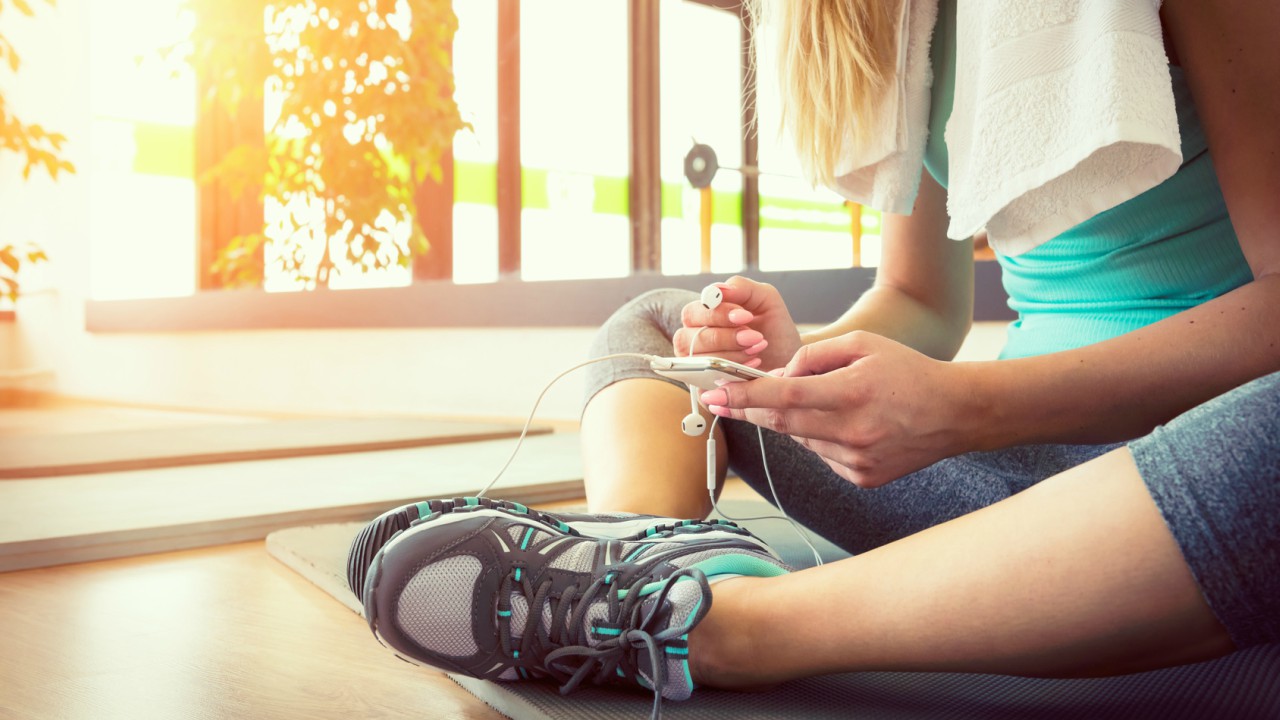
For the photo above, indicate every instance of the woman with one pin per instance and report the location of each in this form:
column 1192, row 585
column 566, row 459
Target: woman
column 1103, row 499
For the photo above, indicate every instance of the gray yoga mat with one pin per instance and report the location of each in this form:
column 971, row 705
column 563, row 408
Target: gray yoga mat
column 1241, row 686
column 31, row 456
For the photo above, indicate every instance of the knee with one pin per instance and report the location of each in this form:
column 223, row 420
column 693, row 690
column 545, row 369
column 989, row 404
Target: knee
column 662, row 307
column 658, row 309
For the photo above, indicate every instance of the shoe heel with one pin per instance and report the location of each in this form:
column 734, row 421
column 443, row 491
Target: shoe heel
column 371, row 539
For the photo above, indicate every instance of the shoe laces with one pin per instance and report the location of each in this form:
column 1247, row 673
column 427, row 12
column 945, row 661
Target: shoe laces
column 566, row 638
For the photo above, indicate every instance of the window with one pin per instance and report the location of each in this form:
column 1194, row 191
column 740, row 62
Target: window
column 701, row 101
column 475, row 151
column 573, row 140
column 580, row 114
column 143, row 178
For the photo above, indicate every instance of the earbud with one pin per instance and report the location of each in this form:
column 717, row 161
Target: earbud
column 711, row 297
column 693, row 424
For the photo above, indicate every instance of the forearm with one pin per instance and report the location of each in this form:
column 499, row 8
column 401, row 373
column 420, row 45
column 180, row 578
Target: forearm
column 892, row 313
column 1122, row 388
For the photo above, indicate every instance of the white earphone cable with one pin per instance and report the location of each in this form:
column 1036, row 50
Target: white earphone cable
column 711, row 475
column 524, row 432
column 764, row 462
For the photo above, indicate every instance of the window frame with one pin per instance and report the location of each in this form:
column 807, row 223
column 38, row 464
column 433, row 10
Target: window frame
column 814, row 296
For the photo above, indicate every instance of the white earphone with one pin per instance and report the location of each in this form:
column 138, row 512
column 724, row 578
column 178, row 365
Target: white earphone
column 693, row 424
column 711, row 297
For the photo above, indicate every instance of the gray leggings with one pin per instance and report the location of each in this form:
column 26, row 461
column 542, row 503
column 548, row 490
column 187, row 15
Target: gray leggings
column 1214, row 472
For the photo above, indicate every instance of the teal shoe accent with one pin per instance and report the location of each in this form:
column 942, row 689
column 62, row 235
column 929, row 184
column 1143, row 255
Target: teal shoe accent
column 739, row 565
column 637, row 552
column 749, row 565
column 472, row 502
column 524, row 544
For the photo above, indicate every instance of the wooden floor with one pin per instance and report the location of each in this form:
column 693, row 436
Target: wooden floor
column 221, row 632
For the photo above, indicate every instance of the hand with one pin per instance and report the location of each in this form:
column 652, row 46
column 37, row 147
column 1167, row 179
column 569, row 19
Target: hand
column 873, row 409
column 751, row 326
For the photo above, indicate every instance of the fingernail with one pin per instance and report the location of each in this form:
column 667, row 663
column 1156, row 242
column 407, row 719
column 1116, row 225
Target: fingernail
column 740, row 316
column 748, row 337
column 714, row 397
column 754, row 362
column 718, row 410
column 757, row 348
column 778, row 372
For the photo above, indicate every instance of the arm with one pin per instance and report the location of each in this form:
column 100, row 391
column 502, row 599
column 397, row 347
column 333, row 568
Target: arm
column 922, row 297
column 1123, row 387
column 923, row 293
column 875, row 410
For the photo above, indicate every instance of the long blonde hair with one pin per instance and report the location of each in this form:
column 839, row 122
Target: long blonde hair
column 836, row 58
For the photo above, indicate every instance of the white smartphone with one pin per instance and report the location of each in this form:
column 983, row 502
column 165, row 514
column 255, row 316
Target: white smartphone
column 704, row 372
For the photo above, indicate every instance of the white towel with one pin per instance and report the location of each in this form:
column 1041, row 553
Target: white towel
column 1063, row 109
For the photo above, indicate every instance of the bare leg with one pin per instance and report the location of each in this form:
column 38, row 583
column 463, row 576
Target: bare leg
column 1078, row 575
column 636, row 459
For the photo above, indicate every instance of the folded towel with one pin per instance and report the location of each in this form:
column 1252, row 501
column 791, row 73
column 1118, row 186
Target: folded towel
column 1063, row 109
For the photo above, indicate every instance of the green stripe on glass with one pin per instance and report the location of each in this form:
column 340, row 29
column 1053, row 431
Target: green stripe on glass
column 164, row 150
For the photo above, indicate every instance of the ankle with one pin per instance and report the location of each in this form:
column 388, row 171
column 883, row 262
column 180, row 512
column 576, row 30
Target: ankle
column 718, row 645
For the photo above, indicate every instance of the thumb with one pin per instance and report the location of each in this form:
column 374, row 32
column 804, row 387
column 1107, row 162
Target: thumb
column 835, row 353
column 748, row 294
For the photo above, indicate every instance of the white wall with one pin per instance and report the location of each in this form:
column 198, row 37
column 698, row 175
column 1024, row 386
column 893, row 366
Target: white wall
column 473, row 372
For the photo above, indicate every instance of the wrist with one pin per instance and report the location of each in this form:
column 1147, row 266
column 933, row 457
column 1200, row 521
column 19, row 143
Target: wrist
column 976, row 399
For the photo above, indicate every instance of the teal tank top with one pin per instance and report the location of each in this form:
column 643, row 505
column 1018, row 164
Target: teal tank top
column 1164, row 251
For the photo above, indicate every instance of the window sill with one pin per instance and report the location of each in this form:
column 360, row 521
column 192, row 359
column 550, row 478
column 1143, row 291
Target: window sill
column 814, row 296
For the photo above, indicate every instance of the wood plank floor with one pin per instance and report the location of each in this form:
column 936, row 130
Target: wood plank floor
column 223, row 632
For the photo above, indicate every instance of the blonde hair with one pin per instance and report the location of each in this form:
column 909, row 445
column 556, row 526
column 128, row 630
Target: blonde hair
column 836, row 58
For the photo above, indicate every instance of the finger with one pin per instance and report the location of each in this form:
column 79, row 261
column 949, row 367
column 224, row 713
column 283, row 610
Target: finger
column 774, row 393
column 694, row 315
column 749, row 294
column 849, row 464
column 826, row 355
column 718, row 341
column 796, row 422
column 853, row 475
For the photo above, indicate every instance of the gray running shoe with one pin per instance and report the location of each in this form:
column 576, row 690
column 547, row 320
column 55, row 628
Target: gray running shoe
column 614, row 526
column 487, row 591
